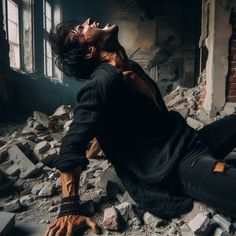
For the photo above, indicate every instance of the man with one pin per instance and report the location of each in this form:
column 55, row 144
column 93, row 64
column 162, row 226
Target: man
column 162, row 162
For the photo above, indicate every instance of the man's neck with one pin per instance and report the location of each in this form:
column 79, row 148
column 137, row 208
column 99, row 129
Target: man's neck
column 117, row 59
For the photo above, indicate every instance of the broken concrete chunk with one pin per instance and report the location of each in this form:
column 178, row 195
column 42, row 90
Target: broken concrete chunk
column 127, row 212
column 229, row 108
column 41, row 118
column 26, row 200
column 5, row 165
column 124, row 209
column 221, row 232
column 13, row 170
column 127, row 198
column 111, row 219
column 37, row 126
column 41, row 147
column 58, row 136
column 200, row 224
column 186, row 231
column 12, row 206
column 195, row 124
column 152, row 220
column 66, row 126
column 39, row 166
column 47, row 190
column 49, row 156
column 109, row 174
column 7, row 222
column 223, row 222
column 36, row 189
column 62, row 113
column 184, row 112
column 27, row 168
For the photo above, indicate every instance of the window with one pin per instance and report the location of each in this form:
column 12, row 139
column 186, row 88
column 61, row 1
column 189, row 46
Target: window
column 13, row 35
column 48, row 22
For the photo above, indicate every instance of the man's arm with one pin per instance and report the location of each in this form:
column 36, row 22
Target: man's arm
column 72, row 160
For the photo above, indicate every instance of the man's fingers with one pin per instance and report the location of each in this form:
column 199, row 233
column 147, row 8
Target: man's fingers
column 93, row 225
column 54, row 230
column 62, row 230
column 69, row 230
column 49, row 228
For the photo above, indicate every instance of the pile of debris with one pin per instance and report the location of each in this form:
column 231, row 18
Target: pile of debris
column 31, row 186
column 188, row 103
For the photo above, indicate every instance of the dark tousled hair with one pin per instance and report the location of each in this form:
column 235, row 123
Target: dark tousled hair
column 70, row 54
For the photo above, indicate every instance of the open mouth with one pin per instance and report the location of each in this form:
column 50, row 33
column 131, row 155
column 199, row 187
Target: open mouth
column 106, row 27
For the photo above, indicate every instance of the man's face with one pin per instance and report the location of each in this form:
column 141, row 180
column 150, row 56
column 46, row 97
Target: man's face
column 92, row 32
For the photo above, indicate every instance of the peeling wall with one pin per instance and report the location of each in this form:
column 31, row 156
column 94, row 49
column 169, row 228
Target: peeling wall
column 217, row 43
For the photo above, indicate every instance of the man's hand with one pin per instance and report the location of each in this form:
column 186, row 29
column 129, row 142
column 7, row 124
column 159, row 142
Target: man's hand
column 66, row 225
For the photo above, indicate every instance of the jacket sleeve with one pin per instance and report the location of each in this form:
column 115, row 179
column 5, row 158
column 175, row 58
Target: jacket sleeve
column 82, row 130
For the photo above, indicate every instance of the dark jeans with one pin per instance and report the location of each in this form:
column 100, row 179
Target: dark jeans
column 215, row 189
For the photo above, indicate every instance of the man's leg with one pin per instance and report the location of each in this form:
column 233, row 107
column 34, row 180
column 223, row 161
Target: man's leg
column 213, row 185
column 220, row 136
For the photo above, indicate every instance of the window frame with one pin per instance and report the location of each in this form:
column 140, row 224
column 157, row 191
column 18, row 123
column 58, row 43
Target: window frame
column 20, row 23
column 46, row 39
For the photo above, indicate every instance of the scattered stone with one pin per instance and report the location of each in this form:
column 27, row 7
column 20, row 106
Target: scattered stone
column 12, row 206
column 58, row 183
column 124, row 209
column 62, row 113
column 49, row 156
column 41, row 148
column 127, row 198
column 13, row 170
column 223, row 222
column 229, row 108
column 184, row 112
column 67, row 125
column 27, row 168
column 200, row 224
column 47, row 189
column 36, row 189
column 26, row 200
column 221, row 232
column 186, row 231
column 41, row 118
column 152, row 220
column 196, row 124
column 109, row 174
column 111, row 219
column 5, row 165
column 7, row 222
column 39, row 166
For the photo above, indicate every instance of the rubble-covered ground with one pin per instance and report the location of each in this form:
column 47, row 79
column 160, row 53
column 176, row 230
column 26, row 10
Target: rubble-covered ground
column 30, row 187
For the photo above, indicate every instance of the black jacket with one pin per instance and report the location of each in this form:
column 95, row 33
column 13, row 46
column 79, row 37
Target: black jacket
column 144, row 143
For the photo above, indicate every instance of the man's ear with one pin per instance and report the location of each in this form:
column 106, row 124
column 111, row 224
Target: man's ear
column 91, row 52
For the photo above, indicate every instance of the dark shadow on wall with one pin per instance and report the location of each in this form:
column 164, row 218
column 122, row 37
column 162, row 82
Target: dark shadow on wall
column 25, row 94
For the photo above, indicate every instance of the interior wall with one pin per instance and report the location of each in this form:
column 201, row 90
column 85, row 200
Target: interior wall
column 164, row 45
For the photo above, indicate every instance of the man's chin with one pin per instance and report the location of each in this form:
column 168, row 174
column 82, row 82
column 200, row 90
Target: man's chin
column 112, row 43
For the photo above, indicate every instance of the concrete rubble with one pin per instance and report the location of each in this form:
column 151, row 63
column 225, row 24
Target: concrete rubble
column 31, row 186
